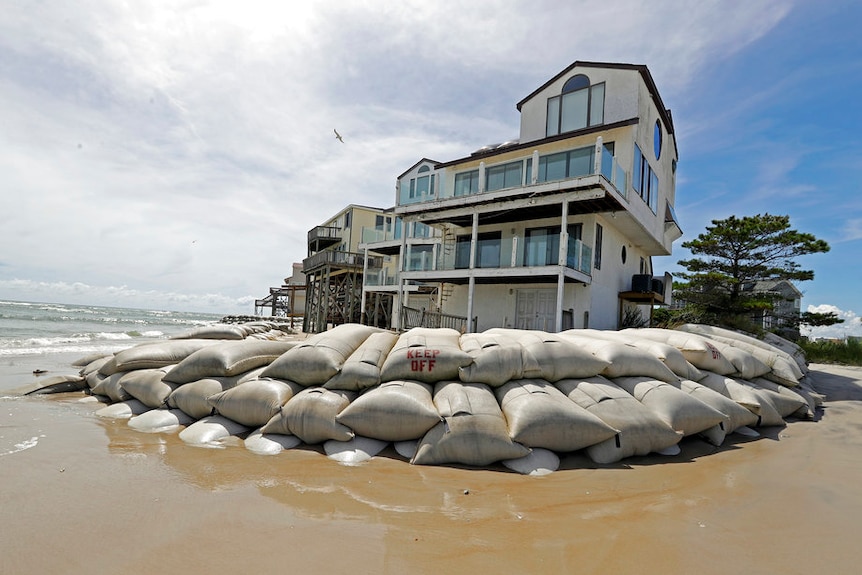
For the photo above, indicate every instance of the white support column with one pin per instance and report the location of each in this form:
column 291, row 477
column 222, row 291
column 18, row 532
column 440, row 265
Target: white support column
column 534, row 176
column 399, row 300
column 364, row 275
column 481, row 177
column 561, row 273
column 597, row 161
column 474, row 237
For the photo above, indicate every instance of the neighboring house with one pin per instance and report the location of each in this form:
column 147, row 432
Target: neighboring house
column 334, row 268
column 786, row 306
column 553, row 230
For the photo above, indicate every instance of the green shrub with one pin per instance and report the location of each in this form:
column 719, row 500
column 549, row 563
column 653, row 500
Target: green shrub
column 827, row 351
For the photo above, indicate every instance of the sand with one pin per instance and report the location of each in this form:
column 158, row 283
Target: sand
column 94, row 496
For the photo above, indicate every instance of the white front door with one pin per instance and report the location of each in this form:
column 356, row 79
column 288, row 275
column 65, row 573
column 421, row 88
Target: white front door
column 536, row 309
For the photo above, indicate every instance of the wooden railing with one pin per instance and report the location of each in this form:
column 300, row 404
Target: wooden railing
column 412, row 317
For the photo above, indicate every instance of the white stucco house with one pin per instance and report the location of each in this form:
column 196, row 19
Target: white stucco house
column 552, row 230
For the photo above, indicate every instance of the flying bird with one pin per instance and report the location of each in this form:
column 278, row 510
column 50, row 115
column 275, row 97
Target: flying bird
column 338, row 136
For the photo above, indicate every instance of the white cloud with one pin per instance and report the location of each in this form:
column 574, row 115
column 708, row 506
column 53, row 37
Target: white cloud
column 852, row 325
column 185, row 147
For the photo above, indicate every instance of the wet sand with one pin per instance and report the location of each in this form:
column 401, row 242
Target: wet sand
column 94, row 496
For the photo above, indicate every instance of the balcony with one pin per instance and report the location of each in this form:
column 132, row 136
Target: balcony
column 339, row 259
column 321, row 237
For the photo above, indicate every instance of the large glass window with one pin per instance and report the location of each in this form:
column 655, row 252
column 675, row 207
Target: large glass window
column 562, row 165
column 597, row 252
column 542, row 245
column 505, row 176
column 645, row 180
column 487, row 251
column 467, row 183
column 578, row 106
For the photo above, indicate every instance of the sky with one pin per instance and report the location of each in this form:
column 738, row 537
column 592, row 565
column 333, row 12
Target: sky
column 173, row 154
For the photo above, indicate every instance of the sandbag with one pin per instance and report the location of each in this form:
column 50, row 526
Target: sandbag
column 214, row 331
column 696, row 349
column 641, row 431
column 786, row 401
column 353, row 451
column 148, row 385
column 254, row 402
column 270, row 443
column 154, row 355
column 211, row 431
column 747, row 365
column 425, row 354
column 160, row 421
column 552, row 357
column 192, row 397
column 497, row 358
column 58, row 384
column 623, row 360
column 664, row 352
column 679, row 410
column 108, row 386
column 123, row 409
column 738, row 416
column 226, row 359
column 473, row 430
column 537, row 463
column 317, row 359
column 87, row 360
column 729, row 387
column 394, row 411
column 362, row 369
column 540, row 415
column 310, row 415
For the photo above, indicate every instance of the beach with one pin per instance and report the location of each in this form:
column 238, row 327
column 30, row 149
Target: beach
column 90, row 495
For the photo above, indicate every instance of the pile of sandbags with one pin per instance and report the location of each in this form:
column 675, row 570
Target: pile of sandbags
column 519, row 397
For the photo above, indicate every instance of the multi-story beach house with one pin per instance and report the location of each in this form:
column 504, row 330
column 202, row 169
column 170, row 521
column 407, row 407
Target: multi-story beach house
column 554, row 229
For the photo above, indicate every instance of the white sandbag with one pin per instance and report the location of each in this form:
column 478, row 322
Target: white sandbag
column 792, row 349
column 393, row 411
column 154, row 355
column 641, row 431
column 211, row 431
column 214, row 331
column 123, row 409
column 270, row 443
column 108, row 386
column 148, row 385
column 96, row 364
column 497, row 358
column 729, row 387
column 623, row 360
column 696, row 349
column 473, row 430
column 552, row 357
column 192, row 397
column 782, row 372
column 738, row 416
column 353, row 451
column 310, row 415
column 425, row 354
column 86, row 360
column 160, row 421
column 786, row 401
column 679, row 410
column 318, row 358
column 406, row 449
column 227, row 359
column 764, row 351
column 540, row 415
column 747, row 365
column 362, row 369
column 664, row 352
column 536, row 463
column 253, row 403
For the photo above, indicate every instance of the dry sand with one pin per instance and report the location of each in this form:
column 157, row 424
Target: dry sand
column 97, row 497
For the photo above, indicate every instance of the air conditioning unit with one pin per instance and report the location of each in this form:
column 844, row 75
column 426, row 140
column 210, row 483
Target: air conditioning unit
column 642, row 283
column 658, row 285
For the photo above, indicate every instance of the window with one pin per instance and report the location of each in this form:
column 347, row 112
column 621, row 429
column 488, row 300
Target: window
column 487, row 251
column 505, row 176
column 578, row 106
column 656, row 140
column 597, row 253
column 645, row 180
column 542, row 245
column 564, row 165
column 467, row 183
column 378, row 223
column 422, row 185
column 421, row 258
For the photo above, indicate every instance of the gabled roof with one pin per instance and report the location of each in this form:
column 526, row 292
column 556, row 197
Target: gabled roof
column 423, row 160
column 640, row 68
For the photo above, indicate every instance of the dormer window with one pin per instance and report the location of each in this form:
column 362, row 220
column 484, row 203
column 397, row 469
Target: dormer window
column 579, row 105
column 422, row 186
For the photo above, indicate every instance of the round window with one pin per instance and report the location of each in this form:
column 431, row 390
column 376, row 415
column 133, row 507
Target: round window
column 623, row 254
column 656, row 140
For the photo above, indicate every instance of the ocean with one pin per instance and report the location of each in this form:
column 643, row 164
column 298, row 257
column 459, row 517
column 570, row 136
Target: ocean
column 39, row 340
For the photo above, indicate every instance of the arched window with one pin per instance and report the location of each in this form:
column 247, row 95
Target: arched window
column 579, row 105
column 656, row 140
